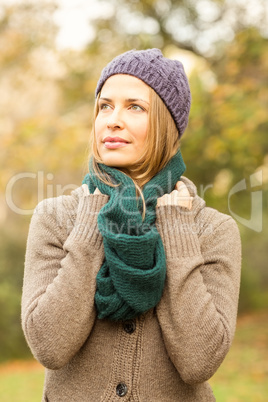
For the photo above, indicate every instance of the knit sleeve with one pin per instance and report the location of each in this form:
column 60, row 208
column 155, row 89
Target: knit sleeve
column 197, row 312
column 59, row 278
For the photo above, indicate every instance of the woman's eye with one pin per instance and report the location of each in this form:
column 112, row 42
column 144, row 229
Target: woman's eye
column 137, row 108
column 104, row 106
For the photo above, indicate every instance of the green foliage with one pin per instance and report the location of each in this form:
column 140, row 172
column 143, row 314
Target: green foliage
column 12, row 343
column 46, row 108
column 228, row 121
column 203, row 27
column 254, row 283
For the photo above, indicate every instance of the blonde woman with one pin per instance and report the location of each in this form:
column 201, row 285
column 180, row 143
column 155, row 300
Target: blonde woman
column 131, row 283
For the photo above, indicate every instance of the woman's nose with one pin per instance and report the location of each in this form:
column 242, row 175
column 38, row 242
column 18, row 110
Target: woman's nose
column 115, row 120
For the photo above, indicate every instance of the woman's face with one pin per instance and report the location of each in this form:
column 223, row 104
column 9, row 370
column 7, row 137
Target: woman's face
column 122, row 121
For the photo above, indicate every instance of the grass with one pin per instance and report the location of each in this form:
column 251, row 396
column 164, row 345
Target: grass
column 244, row 373
column 21, row 381
column 241, row 378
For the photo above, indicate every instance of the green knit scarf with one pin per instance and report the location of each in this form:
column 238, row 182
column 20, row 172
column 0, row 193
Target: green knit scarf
column 131, row 279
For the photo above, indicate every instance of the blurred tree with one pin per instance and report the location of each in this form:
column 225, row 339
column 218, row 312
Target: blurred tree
column 46, row 100
column 229, row 113
column 12, row 250
column 35, row 114
column 27, row 92
column 28, row 95
column 226, row 142
column 201, row 26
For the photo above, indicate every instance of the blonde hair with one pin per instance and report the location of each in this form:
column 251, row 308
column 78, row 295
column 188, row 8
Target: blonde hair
column 162, row 143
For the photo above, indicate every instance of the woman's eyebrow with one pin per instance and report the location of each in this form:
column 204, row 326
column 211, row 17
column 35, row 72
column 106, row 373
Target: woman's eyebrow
column 136, row 99
column 106, row 99
column 129, row 100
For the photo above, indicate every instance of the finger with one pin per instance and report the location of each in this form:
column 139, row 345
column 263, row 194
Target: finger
column 97, row 191
column 164, row 200
column 179, row 184
column 85, row 189
column 182, row 189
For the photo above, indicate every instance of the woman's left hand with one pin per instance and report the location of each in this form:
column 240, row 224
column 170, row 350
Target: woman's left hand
column 179, row 196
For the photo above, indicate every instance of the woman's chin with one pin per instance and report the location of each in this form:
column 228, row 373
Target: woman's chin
column 117, row 161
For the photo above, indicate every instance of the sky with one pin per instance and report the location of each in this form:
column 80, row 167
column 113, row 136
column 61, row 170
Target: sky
column 72, row 18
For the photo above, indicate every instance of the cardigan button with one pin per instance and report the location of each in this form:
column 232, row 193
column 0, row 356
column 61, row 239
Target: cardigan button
column 129, row 326
column 121, row 389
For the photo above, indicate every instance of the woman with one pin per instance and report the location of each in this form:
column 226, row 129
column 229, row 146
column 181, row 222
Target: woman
column 131, row 283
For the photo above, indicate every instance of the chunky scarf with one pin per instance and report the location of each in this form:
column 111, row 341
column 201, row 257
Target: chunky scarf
column 131, row 279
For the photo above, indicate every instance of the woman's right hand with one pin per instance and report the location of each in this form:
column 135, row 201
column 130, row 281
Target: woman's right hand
column 86, row 190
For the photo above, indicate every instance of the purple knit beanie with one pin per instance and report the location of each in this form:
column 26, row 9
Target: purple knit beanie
column 166, row 77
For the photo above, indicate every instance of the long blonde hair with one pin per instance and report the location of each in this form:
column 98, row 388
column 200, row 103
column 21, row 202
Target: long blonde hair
column 162, row 143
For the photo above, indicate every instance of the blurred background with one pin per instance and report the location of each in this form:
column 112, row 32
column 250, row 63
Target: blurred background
column 51, row 55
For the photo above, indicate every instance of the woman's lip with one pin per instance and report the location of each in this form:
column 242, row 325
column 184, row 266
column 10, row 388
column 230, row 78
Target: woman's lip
column 114, row 139
column 115, row 142
column 114, row 145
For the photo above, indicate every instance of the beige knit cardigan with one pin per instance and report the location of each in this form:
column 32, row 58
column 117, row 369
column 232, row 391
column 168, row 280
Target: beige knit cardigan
column 166, row 354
